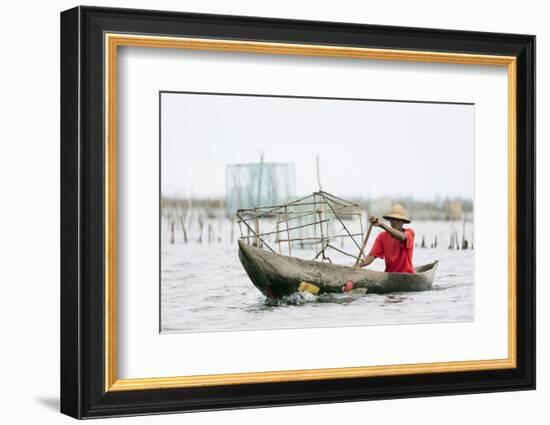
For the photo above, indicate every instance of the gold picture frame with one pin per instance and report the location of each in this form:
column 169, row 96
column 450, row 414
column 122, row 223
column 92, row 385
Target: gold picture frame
column 114, row 41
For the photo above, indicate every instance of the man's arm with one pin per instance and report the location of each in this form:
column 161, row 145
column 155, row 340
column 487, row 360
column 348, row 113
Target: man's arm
column 366, row 261
column 400, row 236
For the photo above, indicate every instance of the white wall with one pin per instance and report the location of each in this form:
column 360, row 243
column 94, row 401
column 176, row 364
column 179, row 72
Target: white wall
column 29, row 227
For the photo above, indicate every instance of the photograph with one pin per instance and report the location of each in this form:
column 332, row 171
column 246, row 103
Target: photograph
column 289, row 212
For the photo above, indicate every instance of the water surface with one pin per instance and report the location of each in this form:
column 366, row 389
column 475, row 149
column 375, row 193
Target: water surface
column 205, row 288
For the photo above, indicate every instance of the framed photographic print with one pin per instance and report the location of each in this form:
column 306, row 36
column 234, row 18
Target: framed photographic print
column 261, row 212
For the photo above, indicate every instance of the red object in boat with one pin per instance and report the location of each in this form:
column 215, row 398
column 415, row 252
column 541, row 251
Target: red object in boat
column 348, row 286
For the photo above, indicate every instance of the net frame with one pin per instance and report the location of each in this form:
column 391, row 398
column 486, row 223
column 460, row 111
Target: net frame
column 320, row 207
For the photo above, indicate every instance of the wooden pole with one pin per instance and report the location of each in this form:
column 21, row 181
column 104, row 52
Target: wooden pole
column 182, row 224
column 322, row 233
column 238, row 221
column 288, row 233
column 358, row 260
column 340, row 251
column 296, row 227
column 318, row 166
column 317, row 239
column 257, row 225
column 278, row 236
column 314, row 225
column 260, row 179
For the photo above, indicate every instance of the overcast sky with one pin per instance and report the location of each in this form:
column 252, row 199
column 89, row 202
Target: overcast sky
column 366, row 148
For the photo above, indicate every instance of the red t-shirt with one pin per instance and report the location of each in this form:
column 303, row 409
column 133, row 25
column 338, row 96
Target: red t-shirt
column 397, row 254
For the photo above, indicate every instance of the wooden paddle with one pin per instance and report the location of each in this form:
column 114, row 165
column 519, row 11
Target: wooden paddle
column 363, row 246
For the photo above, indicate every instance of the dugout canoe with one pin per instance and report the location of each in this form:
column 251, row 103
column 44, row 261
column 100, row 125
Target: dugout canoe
column 278, row 275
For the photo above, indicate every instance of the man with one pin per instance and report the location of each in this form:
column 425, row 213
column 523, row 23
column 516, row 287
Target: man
column 394, row 245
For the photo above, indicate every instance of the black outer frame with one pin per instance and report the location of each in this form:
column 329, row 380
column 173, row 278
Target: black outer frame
column 82, row 218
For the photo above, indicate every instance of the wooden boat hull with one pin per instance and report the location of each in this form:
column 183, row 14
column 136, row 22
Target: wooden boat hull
column 278, row 275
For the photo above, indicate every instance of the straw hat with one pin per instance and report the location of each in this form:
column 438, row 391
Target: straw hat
column 399, row 212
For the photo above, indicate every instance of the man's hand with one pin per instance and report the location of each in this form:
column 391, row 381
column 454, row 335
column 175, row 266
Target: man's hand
column 365, row 261
column 375, row 221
